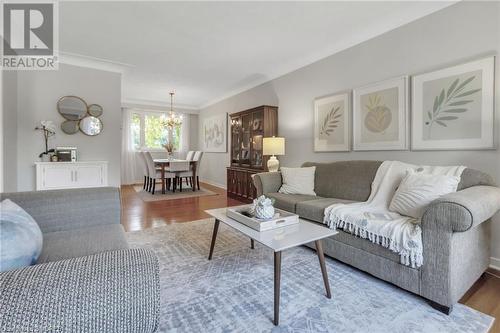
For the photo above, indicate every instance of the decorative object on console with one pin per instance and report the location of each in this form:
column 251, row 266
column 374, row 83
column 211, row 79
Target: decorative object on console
column 66, row 154
column 248, row 130
column 273, row 146
column 380, row 115
column 453, row 108
column 215, row 134
column 298, row 180
column 48, row 129
column 20, row 236
column 332, row 123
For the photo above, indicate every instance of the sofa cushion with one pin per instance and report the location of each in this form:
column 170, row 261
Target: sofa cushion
column 315, row 209
column 350, row 180
column 288, row 202
column 366, row 245
column 61, row 245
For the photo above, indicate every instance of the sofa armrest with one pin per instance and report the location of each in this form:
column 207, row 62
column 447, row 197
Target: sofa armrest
column 267, row 182
column 60, row 210
column 114, row 291
column 464, row 209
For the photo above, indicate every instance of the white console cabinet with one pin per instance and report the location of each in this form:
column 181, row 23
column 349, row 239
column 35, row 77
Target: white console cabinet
column 60, row 175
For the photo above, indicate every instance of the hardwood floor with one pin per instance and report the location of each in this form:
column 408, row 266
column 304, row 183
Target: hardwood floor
column 483, row 296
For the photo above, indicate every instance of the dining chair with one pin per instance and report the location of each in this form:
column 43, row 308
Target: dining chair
column 145, row 170
column 190, row 155
column 197, row 158
column 177, row 168
column 155, row 173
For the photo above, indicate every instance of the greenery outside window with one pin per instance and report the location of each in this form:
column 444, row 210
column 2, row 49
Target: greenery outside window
column 149, row 133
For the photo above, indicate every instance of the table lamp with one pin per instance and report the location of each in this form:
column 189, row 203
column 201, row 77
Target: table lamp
column 273, row 146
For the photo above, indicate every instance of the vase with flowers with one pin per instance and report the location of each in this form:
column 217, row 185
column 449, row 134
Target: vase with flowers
column 170, row 150
column 48, row 129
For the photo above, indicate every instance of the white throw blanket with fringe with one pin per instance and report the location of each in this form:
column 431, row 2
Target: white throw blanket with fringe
column 373, row 220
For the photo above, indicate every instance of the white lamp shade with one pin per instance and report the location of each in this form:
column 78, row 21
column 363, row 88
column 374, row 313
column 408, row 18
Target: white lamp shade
column 274, row 146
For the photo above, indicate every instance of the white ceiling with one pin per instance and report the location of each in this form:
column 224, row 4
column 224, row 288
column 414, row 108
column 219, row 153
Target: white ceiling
column 207, row 51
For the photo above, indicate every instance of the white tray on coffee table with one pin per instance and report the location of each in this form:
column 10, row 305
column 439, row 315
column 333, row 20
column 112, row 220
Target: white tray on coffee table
column 281, row 218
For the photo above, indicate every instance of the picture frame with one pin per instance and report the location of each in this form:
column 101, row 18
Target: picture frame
column 214, row 132
column 332, row 122
column 453, row 108
column 381, row 115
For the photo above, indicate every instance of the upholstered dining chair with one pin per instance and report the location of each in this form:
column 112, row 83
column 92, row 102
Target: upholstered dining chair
column 188, row 175
column 154, row 173
column 145, row 170
column 190, row 155
column 177, row 168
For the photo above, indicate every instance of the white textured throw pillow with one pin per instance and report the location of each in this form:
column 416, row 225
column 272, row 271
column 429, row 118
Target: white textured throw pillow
column 298, row 180
column 417, row 190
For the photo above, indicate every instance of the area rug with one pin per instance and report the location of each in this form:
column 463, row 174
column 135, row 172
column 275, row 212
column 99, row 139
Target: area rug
column 234, row 291
column 187, row 192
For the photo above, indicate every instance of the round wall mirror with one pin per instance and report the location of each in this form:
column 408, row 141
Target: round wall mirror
column 72, row 107
column 95, row 110
column 91, row 125
column 70, row 126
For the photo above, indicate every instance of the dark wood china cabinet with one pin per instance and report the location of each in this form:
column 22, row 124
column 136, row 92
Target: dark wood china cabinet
column 248, row 128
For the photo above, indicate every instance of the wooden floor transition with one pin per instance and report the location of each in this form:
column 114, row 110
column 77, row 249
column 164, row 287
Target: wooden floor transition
column 484, row 295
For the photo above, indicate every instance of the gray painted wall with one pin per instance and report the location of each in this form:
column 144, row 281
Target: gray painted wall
column 9, row 130
column 456, row 34
column 37, row 96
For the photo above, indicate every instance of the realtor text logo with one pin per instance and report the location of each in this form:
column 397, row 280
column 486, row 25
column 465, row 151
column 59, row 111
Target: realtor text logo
column 29, row 36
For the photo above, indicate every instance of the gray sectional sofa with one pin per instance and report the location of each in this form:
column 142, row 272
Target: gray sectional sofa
column 455, row 229
column 86, row 279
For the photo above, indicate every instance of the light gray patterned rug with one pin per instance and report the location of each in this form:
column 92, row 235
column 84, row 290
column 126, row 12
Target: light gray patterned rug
column 234, row 291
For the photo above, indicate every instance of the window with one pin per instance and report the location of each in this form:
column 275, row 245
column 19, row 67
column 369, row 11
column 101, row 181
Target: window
column 148, row 131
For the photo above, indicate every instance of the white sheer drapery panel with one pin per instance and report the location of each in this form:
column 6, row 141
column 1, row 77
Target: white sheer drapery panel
column 184, row 140
column 130, row 173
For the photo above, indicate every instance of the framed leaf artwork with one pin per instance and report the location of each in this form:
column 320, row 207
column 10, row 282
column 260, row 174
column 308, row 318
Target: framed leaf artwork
column 453, row 108
column 332, row 122
column 380, row 115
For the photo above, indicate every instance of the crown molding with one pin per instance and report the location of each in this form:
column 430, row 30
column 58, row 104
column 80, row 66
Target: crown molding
column 94, row 63
column 157, row 105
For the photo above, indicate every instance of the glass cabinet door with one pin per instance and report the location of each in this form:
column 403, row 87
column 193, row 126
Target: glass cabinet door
column 246, row 133
column 257, row 135
column 235, row 140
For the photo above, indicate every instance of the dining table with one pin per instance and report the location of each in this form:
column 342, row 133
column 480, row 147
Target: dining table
column 163, row 163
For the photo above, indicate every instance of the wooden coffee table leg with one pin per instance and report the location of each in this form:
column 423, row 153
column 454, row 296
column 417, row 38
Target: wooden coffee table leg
column 321, row 257
column 277, row 282
column 214, row 237
column 252, row 245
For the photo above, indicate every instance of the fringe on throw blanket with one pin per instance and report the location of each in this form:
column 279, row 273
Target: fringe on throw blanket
column 412, row 258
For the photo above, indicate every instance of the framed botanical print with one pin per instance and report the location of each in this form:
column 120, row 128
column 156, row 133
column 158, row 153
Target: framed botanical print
column 380, row 115
column 453, row 108
column 332, row 123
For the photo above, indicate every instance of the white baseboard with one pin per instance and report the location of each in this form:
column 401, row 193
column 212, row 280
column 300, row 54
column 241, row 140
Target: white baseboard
column 209, row 182
column 495, row 263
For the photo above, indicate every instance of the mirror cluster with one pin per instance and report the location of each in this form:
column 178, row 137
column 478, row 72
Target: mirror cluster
column 79, row 116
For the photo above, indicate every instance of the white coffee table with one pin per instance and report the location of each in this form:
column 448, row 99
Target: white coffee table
column 278, row 240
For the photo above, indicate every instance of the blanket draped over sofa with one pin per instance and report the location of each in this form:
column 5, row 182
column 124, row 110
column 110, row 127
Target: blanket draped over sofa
column 373, row 220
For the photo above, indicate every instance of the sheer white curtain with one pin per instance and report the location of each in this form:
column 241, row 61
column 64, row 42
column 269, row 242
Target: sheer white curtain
column 129, row 170
column 184, row 139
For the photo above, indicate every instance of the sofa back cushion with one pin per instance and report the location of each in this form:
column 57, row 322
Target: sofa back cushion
column 349, row 180
column 352, row 180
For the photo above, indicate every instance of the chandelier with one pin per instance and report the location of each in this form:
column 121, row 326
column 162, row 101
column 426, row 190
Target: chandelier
column 173, row 119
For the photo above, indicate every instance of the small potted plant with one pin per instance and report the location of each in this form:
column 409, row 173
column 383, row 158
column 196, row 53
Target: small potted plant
column 48, row 129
